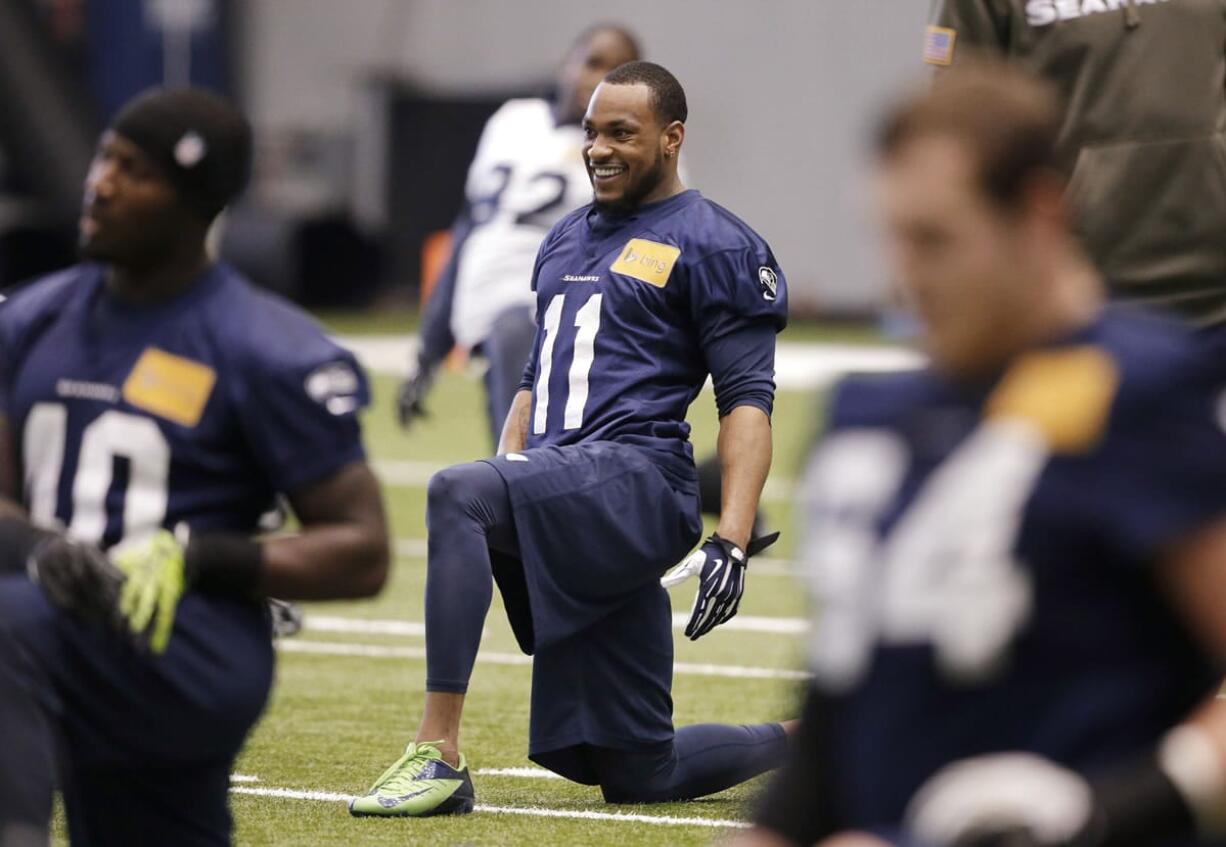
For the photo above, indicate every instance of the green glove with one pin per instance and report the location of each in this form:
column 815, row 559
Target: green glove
column 154, row 582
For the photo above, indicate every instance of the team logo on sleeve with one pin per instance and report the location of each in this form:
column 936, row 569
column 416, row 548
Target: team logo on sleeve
column 335, row 387
column 170, row 386
column 648, row 261
column 939, row 45
column 769, row 282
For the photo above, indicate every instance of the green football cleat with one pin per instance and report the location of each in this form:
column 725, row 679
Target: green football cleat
column 418, row 785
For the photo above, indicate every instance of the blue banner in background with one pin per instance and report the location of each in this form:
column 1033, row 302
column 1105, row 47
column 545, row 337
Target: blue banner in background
column 135, row 44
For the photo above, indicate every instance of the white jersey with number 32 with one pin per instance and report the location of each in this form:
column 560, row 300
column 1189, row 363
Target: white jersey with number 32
column 528, row 173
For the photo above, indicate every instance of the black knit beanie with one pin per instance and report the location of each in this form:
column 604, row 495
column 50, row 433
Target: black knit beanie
column 201, row 141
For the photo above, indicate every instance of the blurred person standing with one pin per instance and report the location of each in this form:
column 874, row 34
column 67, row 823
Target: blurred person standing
column 1143, row 131
column 1017, row 555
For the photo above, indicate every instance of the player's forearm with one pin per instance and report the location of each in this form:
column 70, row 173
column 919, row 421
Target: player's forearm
column 744, row 460
column 325, row 562
column 342, row 550
column 515, row 430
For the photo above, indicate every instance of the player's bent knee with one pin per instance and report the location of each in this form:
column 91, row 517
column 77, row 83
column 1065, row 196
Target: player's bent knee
column 630, row 792
column 628, row 795
column 448, row 488
column 461, row 488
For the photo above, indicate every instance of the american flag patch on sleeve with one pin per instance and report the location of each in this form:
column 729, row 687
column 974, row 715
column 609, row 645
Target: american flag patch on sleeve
column 939, row 45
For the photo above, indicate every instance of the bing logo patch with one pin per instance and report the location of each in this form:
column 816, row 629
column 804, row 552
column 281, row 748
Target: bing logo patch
column 648, row 261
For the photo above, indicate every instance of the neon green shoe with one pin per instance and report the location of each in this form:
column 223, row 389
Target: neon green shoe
column 420, row 784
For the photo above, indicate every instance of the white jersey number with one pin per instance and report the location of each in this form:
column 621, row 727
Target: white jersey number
column 588, row 323
column 112, row 435
column 944, row 575
column 527, row 201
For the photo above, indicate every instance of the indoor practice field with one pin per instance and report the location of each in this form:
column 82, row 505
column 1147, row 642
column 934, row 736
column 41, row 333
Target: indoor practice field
column 349, row 687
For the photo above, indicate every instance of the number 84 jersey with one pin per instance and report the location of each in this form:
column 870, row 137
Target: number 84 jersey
column 199, row 409
column 635, row 310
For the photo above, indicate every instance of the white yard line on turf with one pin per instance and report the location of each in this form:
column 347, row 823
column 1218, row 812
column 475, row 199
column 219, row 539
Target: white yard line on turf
column 242, row 777
column 415, row 548
column 798, row 365
column 386, row 651
column 417, row 629
column 411, row 548
column 619, row 817
column 326, row 623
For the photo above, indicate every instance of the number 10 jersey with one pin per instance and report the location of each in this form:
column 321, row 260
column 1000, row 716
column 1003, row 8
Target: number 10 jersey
column 199, row 409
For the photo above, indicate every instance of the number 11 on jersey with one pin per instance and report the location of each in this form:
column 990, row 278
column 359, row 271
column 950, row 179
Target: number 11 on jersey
column 587, row 322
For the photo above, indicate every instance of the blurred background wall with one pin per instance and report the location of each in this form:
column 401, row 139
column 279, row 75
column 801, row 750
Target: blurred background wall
column 367, row 111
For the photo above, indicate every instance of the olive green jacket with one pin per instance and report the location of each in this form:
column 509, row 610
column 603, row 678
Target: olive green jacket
column 1145, row 86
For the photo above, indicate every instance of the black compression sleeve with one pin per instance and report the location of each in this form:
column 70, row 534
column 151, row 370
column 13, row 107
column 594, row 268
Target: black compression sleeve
column 224, row 564
column 742, row 365
column 796, row 804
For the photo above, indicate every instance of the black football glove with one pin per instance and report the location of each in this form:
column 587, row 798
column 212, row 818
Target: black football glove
column 78, row 578
column 410, row 402
column 720, row 567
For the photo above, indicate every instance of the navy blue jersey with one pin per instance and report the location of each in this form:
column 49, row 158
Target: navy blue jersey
column 634, row 311
column 983, row 559
column 197, row 410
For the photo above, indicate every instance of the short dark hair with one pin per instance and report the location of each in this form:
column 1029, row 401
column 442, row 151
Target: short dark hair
column 667, row 95
column 1008, row 119
column 632, row 42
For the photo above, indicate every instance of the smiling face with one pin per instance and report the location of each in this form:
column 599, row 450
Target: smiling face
column 631, row 158
column 130, row 214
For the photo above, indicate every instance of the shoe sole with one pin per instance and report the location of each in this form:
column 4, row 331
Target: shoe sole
column 450, row 806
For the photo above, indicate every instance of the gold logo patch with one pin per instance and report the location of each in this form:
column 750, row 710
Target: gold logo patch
column 648, row 261
column 169, row 386
column 1065, row 394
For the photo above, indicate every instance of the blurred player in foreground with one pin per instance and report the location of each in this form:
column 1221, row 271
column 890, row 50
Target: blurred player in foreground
column 153, row 404
column 594, row 493
column 1018, row 555
column 1145, row 149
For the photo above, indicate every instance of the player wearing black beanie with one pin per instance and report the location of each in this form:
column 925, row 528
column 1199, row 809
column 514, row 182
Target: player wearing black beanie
column 167, row 165
column 200, row 141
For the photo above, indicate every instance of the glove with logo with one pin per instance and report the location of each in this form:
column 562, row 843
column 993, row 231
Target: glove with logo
column 154, row 581
column 76, row 577
column 720, row 567
column 410, row 402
